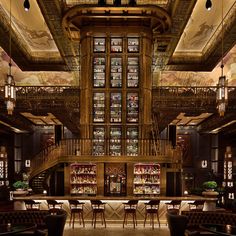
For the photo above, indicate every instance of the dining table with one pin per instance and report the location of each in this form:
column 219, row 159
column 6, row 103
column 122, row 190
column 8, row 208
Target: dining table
column 220, row 229
column 12, row 228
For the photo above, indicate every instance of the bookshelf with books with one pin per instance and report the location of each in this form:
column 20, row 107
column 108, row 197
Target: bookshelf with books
column 146, row 179
column 83, row 179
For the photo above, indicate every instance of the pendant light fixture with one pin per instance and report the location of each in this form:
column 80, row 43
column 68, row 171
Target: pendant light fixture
column 10, row 92
column 222, row 86
column 208, row 5
column 26, row 5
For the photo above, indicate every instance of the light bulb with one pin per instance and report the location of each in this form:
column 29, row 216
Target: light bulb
column 208, row 5
column 26, row 5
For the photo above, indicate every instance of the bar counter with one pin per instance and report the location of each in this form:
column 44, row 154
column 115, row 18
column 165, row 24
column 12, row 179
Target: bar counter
column 114, row 205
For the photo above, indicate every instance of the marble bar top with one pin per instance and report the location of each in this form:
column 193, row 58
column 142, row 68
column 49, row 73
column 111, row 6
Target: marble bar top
column 119, row 198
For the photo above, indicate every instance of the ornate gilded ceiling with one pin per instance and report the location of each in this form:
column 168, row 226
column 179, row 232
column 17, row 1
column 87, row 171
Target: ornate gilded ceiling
column 191, row 43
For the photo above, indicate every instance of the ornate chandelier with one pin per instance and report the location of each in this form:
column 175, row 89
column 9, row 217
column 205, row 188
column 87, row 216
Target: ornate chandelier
column 222, row 86
column 10, row 91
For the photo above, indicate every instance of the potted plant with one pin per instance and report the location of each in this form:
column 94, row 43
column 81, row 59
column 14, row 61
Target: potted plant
column 210, row 185
column 20, row 185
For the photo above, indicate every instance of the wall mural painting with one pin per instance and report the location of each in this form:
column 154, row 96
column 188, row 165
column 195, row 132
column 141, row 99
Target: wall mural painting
column 42, row 78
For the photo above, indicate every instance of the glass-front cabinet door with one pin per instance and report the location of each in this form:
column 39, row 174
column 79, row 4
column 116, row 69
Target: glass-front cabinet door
column 99, row 45
column 99, row 107
column 99, row 72
column 132, row 141
column 116, row 45
column 115, row 141
column 98, row 141
column 116, row 72
column 133, row 45
column 133, row 72
column 132, row 108
column 115, row 108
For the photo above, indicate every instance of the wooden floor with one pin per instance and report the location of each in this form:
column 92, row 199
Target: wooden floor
column 115, row 230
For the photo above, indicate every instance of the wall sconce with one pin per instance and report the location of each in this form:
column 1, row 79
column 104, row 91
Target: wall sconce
column 27, row 163
column 204, row 164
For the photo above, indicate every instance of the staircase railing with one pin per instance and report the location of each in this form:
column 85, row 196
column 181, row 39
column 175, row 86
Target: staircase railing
column 67, row 149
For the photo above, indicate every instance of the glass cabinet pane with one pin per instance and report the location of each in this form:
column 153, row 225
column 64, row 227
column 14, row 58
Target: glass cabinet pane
column 115, row 108
column 132, row 141
column 116, row 44
column 133, row 45
column 116, row 72
column 98, row 141
column 99, row 45
column 98, row 107
column 115, row 141
column 132, row 107
column 133, row 72
column 99, row 68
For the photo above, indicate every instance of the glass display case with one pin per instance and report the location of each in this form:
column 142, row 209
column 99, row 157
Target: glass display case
column 99, row 45
column 133, row 72
column 83, row 179
column 132, row 112
column 115, row 141
column 98, row 107
column 115, row 179
column 115, row 108
column 98, row 141
column 132, row 141
column 99, row 74
column 133, row 45
column 116, row 72
column 147, row 179
column 116, row 45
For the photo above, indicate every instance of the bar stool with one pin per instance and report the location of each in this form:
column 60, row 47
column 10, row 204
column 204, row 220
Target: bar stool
column 151, row 209
column 98, row 208
column 76, row 207
column 197, row 205
column 54, row 206
column 32, row 205
column 130, row 209
column 174, row 206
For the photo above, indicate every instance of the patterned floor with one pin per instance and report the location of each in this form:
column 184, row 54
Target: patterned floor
column 115, row 230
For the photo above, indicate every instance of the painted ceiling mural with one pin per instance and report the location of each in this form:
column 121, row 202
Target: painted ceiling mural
column 182, row 78
column 34, row 78
column 31, row 28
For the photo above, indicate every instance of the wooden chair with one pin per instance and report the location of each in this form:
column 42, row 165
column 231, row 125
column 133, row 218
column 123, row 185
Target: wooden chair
column 174, row 205
column 32, row 205
column 151, row 209
column 98, row 208
column 54, row 206
column 130, row 209
column 197, row 205
column 76, row 207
